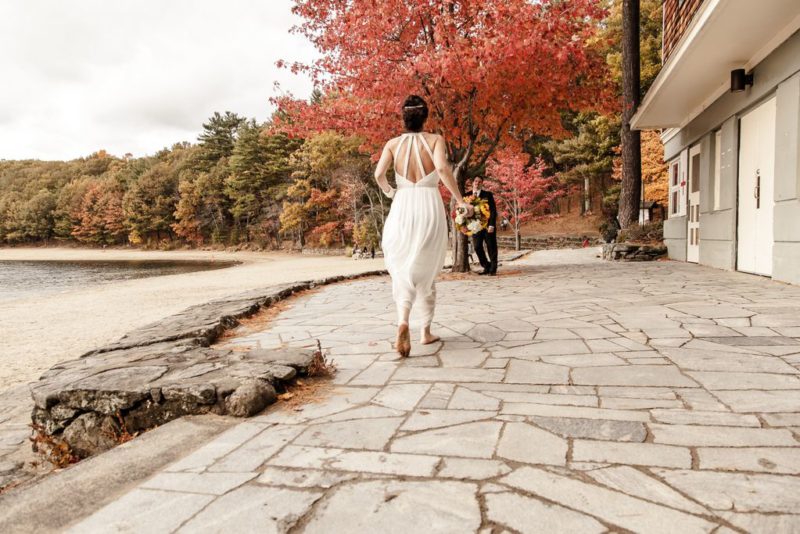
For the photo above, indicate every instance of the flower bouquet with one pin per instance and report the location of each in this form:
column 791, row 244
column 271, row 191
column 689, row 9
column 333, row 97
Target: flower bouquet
column 470, row 224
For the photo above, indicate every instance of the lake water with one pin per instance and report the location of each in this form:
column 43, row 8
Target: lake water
column 20, row 279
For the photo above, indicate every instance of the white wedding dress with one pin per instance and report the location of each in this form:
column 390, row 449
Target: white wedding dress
column 415, row 234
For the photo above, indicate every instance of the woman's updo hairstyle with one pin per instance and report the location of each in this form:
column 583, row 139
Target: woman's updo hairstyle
column 415, row 112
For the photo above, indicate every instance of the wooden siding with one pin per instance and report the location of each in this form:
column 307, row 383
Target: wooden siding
column 677, row 17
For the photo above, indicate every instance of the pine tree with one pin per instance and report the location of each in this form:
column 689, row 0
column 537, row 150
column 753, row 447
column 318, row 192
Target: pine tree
column 218, row 137
column 259, row 172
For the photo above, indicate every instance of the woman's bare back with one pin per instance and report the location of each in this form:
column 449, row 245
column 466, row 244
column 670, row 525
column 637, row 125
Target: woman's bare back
column 401, row 152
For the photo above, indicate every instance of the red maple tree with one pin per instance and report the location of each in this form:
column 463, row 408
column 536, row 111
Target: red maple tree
column 523, row 190
column 493, row 71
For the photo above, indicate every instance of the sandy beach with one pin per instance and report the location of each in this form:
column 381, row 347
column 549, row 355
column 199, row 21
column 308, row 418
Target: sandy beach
column 37, row 332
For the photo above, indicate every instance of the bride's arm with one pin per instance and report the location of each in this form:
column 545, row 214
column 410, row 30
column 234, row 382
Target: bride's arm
column 380, row 171
column 446, row 171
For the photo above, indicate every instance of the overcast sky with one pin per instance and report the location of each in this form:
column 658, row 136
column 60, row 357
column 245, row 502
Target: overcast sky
column 136, row 75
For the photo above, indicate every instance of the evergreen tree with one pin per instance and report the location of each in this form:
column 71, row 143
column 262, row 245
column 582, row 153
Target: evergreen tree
column 218, row 137
column 259, row 173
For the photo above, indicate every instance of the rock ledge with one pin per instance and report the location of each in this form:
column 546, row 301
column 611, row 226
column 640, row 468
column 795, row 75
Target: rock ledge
column 167, row 370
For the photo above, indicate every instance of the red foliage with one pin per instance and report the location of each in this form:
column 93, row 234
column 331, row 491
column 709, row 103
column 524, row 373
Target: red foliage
column 523, row 190
column 492, row 71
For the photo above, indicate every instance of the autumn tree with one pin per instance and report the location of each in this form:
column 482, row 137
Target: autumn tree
column 492, row 71
column 655, row 185
column 332, row 192
column 523, row 190
column 591, row 153
column 100, row 216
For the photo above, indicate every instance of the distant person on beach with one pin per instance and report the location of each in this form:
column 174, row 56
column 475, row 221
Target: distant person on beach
column 415, row 234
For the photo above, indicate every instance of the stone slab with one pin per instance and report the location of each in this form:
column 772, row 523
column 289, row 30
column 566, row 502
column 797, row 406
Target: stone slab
column 144, row 510
column 601, row 429
column 721, row 436
column 632, row 375
column 391, row 506
column 635, row 483
column 474, row 440
column 369, row 434
column 521, row 442
column 530, row 516
column 254, row 509
column 740, row 491
column 645, row 454
column 611, row 506
column 519, row 408
column 698, row 417
column 755, row 459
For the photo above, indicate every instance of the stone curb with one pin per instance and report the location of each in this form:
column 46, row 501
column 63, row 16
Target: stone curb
column 166, row 370
column 632, row 252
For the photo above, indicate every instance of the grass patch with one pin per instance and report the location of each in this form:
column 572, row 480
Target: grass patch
column 321, row 366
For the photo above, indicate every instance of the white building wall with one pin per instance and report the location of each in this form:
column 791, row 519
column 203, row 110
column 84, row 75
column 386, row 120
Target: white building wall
column 786, row 252
column 777, row 75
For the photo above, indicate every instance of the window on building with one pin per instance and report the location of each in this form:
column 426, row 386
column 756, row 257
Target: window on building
column 717, row 176
column 675, row 188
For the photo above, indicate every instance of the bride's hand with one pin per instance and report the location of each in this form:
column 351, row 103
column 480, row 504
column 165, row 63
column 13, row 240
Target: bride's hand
column 467, row 208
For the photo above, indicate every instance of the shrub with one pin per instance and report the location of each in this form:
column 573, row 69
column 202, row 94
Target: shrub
column 652, row 232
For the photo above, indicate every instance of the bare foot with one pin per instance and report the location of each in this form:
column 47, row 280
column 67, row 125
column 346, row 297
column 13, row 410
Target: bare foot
column 427, row 338
column 403, row 343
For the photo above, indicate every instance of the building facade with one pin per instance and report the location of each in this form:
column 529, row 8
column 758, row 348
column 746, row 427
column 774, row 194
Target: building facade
column 733, row 157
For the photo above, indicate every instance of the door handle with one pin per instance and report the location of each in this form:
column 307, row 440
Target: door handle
column 757, row 189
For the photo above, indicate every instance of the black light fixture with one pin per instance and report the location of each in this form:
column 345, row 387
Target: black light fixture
column 740, row 80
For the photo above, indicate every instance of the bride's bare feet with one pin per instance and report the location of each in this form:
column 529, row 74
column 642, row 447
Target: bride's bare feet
column 403, row 343
column 427, row 338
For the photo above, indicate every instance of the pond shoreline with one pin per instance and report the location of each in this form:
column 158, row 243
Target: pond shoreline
column 39, row 331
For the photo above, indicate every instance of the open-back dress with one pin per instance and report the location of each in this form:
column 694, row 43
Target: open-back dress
column 415, row 233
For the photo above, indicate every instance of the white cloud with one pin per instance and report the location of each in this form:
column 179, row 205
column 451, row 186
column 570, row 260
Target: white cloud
column 137, row 75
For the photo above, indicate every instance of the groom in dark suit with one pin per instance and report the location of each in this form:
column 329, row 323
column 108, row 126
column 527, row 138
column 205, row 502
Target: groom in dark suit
column 487, row 236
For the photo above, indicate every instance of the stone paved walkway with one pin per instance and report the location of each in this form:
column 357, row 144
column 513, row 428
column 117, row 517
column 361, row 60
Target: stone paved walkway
column 568, row 395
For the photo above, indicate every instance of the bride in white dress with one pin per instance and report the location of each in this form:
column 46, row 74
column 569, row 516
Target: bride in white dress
column 415, row 234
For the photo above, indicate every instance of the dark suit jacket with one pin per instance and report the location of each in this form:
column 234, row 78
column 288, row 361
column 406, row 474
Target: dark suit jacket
column 492, row 207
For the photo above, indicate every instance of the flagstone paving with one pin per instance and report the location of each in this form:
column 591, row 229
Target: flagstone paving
column 567, row 395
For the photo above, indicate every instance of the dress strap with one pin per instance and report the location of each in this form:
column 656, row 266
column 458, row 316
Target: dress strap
column 427, row 146
column 418, row 157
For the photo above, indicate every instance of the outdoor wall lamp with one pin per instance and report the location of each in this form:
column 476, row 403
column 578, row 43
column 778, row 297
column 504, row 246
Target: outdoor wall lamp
column 740, row 80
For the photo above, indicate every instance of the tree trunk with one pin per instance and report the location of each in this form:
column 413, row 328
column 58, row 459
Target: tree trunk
column 631, row 140
column 517, row 238
column 460, row 243
column 587, row 198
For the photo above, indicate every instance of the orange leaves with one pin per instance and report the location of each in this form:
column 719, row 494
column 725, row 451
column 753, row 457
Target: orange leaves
column 479, row 65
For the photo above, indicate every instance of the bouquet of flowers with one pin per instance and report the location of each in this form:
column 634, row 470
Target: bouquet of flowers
column 475, row 222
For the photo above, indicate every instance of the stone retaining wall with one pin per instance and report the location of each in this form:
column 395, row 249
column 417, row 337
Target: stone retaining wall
column 311, row 251
column 166, row 370
column 546, row 242
column 633, row 252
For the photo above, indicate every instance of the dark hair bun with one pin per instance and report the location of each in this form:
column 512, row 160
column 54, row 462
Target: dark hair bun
column 415, row 112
